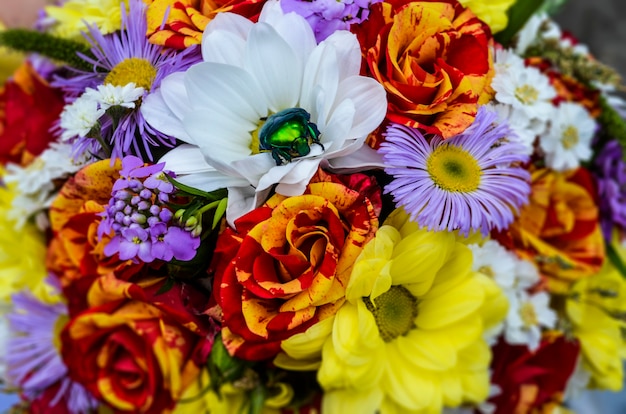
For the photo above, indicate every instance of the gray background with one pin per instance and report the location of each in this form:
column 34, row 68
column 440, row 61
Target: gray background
column 601, row 25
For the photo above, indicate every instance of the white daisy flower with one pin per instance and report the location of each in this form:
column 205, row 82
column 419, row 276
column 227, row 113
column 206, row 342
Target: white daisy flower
column 34, row 183
column 567, row 141
column 528, row 314
column 4, row 337
column 525, row 89
column 255, row 75
column 108, row 95
column 493, row 260
column 525, row 129
column 79, row 117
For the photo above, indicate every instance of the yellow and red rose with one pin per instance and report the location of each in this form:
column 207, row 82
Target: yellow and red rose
column 433, row 59
column 287, row 265
column 559, row 228
column 139, row 350
column 187, row 19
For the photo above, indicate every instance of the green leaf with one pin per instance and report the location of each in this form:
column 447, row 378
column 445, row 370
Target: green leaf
column 616, row 259
column 169, row 283
column 57, row 48
column 212, row 196
column 257, row 400
column 219, row 212
column 518, row 15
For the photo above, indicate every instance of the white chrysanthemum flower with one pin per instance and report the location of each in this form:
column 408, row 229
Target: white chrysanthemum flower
column 525, row 129
column 108, row 95
column 528, row 314
column 525, row 89
column 526, row 274
column 493, row 260
column 529, row 33
column 506, row 59
column 34, row 184
column 251, row 74
column 567, row 141
column 79, row 117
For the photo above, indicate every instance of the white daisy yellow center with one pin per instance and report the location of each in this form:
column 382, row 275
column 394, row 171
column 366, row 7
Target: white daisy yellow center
column 394, row 311
column 137, row 70
column 526, row 94
column 528, row 314
column 453, row 169
column 570, row 137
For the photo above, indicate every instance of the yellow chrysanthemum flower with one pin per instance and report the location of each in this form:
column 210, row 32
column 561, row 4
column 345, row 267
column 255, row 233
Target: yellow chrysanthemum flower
column 597, row 311
column 22, row 255
column 409, row 337
column 492, row 12
column 70, row 18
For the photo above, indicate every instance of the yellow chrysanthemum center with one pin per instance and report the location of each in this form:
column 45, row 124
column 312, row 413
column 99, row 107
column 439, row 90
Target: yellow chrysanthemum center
column 526, row 94
column 255, row 143
column 60, row 323
column 394, row 311
column 137, row 70
column 570, row 137
column 487, row 271
column 528, row 314
column 454, row 169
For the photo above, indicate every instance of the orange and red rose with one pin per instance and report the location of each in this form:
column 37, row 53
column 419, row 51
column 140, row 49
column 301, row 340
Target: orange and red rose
column 139, row 350
column 28, row 109
column 433, row 59
column 559, row 228
column 187, row 19
column 287, row 265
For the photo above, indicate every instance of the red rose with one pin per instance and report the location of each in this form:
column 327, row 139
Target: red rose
column 135, row 350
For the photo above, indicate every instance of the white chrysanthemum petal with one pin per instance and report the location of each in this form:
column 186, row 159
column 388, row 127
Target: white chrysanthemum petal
column 210, row 128
column 165, row 107
column 225, row 27
column 348, row 52
column 292, row 27
column 275, row 65
column 232, row 91
column 320, row 83
column 368, row 98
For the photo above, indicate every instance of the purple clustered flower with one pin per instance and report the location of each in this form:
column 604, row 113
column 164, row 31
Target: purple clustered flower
column 610, row 174
column 140, row 218
column 328, row 16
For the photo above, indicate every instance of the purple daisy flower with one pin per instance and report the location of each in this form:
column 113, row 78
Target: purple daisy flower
column 611, row 177
column 119, row 59
column 33, row 354
column 473, row 181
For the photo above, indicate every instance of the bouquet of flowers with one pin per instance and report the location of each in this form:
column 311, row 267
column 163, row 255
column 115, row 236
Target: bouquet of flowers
column 291, row 206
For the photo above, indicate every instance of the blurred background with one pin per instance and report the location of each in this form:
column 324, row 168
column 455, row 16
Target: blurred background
column 600, row 24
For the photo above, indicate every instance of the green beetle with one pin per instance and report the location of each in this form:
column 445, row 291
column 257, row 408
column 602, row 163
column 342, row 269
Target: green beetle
column 288, row 134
